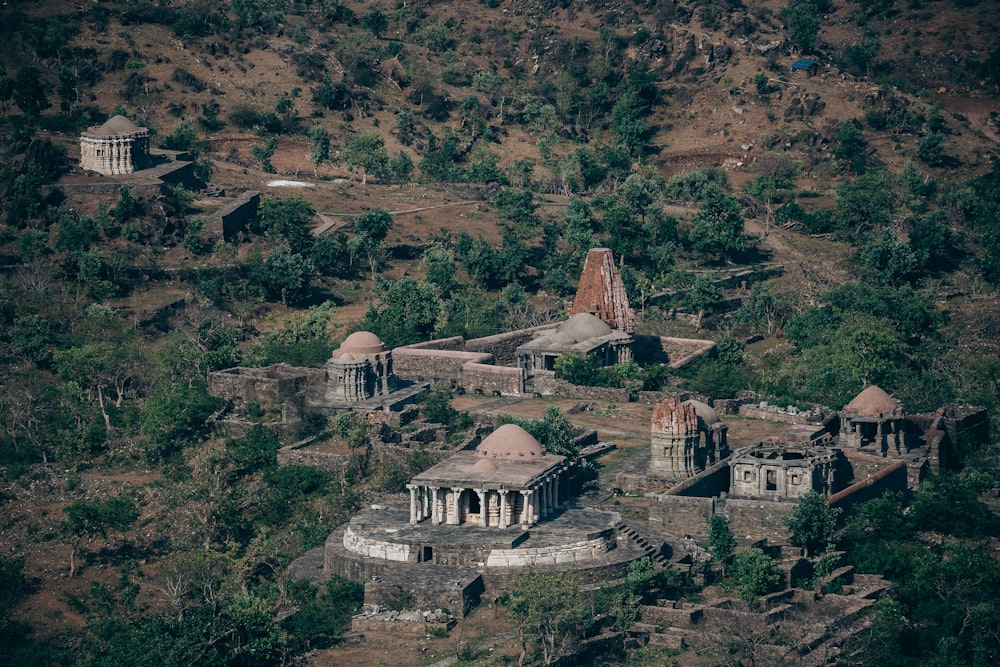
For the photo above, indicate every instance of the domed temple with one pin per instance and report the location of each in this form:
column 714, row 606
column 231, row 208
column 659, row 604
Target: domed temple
column 472, row 522
column 507, row 480
column 117, row 147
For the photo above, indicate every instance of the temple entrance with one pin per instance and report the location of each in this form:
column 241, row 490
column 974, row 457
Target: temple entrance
column 426, row 554
column 772, row 484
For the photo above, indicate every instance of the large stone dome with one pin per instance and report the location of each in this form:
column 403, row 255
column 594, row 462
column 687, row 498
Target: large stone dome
column 583, row 326
column 706, row 413
column 117, row 125
column 510, row 442
column 872, row 402
column 360, row 343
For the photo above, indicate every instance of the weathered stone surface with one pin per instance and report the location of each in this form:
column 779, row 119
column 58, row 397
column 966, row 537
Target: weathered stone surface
column 601, row 292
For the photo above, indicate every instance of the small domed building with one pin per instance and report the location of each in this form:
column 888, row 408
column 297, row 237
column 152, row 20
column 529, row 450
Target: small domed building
column 874, row 421
column 507, row 480
column 117, row 147
column 360, row 369
column 583, row 334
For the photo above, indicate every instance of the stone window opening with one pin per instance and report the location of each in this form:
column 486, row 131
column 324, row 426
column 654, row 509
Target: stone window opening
column 795, row 479
column 427, row 555
column 746, row 475
column 772, row 484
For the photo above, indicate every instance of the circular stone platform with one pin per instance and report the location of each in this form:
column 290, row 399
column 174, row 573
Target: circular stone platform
column 381, row 539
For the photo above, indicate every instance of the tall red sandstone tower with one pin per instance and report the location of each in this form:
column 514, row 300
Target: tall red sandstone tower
column 601, row 292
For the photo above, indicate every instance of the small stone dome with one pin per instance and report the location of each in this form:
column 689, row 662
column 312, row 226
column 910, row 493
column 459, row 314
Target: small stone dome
column 872, row 402
column 117, row 125
column 362, row 342
column 485, row 465
column 510, row 442
column 584, row 326
column 706, row 413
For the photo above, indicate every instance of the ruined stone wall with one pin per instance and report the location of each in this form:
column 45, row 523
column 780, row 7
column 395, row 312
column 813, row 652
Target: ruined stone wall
column 230, row 220
column 892, row 477
column 457, row 596
column 854, row 466
column 249, row 387
column 676, row 352
column 382, row 549
column 504, row 346
column 753, row 520
column 680, row 515
column 712, row 482
column 487, row 379
column 434, row 365
column 545, row 382
column 455, row 343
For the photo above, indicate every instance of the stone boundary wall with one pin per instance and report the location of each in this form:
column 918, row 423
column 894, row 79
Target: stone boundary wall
column 231, row 219
column 488, row 379
column 710, row 482
column 435, row 366
column 292, row 456
column 891, row 478
column 682, row 351
column 859, row 466
column 681, row 515
column 365, row 546
column 773, row 413
column 504, row 346
column 753, row 520
column 573, row 552
column 545, row 382
column 415, row 628
column 455, row 343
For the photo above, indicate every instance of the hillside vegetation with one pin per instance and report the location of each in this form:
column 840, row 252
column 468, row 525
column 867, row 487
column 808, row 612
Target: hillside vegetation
column 465, row 155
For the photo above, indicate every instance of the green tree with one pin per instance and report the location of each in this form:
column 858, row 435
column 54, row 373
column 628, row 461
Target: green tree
column 96, row 518
column 755, row 573
column 851, row 147
column 366, row 150
column 718, row 225
column 812, row 523
column 287, row 220
column 721, row 542
column 31, row 91
column 319, row 147
column 550, row 612
column 263, row 153
column 803, row 24
column 439, row 269
column 888, row 259
column 402, row 311
column 864, row 203
column 375, row 21
column 286, row 274
column 931, row 149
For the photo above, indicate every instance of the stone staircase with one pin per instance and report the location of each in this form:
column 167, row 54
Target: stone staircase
column 655, row 554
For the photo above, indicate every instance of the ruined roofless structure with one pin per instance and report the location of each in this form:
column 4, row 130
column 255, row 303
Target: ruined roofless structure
column 507, row 480
column 601, row 292
column 117, row 147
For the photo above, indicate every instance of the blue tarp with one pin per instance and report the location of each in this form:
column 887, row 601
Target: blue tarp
column 804, row 64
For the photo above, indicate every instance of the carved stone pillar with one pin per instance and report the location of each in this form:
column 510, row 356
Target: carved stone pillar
column 413, row 504
column 526, row 508
column 455, row 515
column 503, row 508
column 435, row 510
column 483, row 509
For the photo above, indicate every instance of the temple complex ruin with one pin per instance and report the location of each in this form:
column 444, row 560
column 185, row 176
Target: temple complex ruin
column 117, row 147
column 873, row 422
